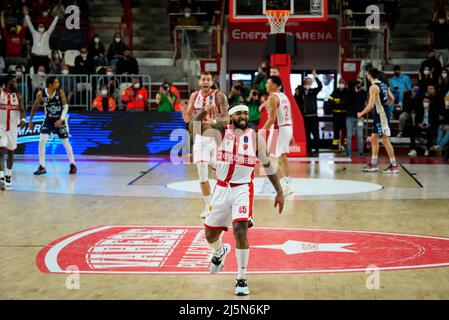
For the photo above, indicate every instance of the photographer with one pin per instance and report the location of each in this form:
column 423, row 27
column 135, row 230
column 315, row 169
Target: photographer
column 238, row 93
column 253, row 102
column 165, row 99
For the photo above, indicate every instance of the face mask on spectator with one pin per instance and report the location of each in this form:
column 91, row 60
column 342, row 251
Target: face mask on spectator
column 65, row 71
column 426, row 72
column 447, row 104
column 97, row 40
column 45, row 13
column 441, row 21
column 117, row 39
column 444, row 75
column 41, row 73
column 19, row 73
column 341, row 85
column 187, row 14
column 136, row 85
column 307, row 86
column 41, row 29
column 104, row 92
column 426, row 105
column 110, row 73
column 84, row 56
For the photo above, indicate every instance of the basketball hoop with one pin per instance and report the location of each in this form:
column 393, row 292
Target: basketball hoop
column 277, row 19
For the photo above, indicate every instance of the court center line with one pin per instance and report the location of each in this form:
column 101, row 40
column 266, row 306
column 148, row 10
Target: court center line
column 412, row 175
column 144, row 173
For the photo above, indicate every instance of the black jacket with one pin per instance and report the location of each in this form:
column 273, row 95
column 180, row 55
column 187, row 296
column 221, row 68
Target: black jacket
column 337, row 100
column 433, row 115
column 307, row 102
column 355, row 102
column 410, row 103
column 440, row 35
column 129, row 65
column 84, row 66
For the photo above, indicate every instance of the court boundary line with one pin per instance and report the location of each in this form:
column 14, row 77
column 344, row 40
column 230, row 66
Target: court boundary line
column 412, row 175
column 143, row 174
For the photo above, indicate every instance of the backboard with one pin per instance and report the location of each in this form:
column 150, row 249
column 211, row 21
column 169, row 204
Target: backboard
column 254, row 10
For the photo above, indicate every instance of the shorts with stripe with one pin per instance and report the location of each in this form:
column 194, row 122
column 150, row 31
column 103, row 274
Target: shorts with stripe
column 229, row 205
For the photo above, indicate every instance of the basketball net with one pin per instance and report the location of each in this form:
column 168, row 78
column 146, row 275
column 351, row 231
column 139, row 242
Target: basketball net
column 277, row 19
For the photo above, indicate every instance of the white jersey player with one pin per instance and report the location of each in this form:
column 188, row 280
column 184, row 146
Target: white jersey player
column 204, row 147
column 12, row 113
column 232, row 199
column 280, row 125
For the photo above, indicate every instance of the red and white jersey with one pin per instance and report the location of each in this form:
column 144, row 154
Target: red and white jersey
column 9, row 110
column 283, row 112
column 236, row 157
column 201, row 100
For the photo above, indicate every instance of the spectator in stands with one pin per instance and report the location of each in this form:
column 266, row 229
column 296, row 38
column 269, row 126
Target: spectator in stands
column 38, row 80
column 426, row 122
column 65, row 81
column 425, row 79
column 40, row 52
column 83, row 63
column 127, row 64
column 443, row 129
column 165, row 99
column 253, row 103
column 97, row 51
column 45, row 18
column 355, row 102
column 136, row 97
column 104, row 102
column 440, row 30
column 337, row 101
column 56, row 62
column 187, row 19
column 238, row 93
column 432, row 94
column 116, row 49
column 407, row 116
column 433, row 64
column 20, row 70
column 399, row 84
column 14, row 37
column 110, row 81
column 261, row 78
column 308, row 105
column 443, row 85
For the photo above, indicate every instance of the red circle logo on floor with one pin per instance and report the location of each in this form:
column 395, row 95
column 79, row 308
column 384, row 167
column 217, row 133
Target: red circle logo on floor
column 183, row 250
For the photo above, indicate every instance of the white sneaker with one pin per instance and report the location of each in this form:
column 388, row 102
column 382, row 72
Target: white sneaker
column 267, row 187
column 8, row 183
column 216, row 263
column 426, row 153
column 241, row 287
column 412, row 153
column 288, row 190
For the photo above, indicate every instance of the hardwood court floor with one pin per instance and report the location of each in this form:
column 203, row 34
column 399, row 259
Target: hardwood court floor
column 41, row 210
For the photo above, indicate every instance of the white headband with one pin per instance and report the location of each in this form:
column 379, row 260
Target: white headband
column 240, row 107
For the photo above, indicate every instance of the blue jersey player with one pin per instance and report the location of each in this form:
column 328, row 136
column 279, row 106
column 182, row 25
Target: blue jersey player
column 56, row 107
column 380, row 97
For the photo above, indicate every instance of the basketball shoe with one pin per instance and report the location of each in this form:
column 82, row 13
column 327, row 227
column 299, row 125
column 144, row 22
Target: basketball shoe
column 391, row 169
column 8, row 183
column 241, row 287
column 216, row 263
column 41, row 170
column 371, row 168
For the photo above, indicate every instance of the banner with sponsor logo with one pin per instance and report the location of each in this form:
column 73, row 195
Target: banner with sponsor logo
column 303, row 31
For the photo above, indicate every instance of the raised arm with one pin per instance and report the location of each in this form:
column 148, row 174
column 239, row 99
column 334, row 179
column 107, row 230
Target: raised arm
column 272, row 104
column 53, row 25
column 30, row 25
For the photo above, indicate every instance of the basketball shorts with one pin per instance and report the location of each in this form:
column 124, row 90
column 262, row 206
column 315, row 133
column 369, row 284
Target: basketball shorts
column 48, row 127
column 378, row 127
column 204, row 150
column 8, row 139
column 279, row 141
column 230, row 204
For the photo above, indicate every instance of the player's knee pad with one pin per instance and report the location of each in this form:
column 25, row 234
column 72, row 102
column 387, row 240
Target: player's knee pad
column 202, row 172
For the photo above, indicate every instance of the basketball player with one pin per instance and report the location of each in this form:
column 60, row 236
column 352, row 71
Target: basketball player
column 204, row 148
column 232, row 199
column 281, row 130
column 56, row 108
column 380, row 97
column 12, row 112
